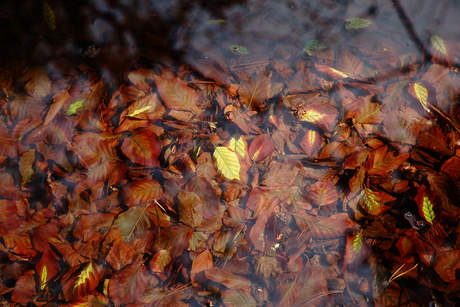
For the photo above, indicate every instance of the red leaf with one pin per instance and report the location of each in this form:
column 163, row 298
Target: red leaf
column 142, row 191
column 120, row 255
column 128, row 285
column 311, row 142
column 8, row 146
column 78, row 282
column 160, row 260
column 331, row 72
column 261, row 147
column 143, row 147
column 146, row 107
column 24, row 289
column 201, row 263
column 47, row 268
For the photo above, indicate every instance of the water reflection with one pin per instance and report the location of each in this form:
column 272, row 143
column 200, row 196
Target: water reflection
column 221, row 153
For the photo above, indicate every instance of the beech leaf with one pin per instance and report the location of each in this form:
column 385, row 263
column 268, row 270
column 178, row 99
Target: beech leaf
column 143, row 147
column 438, row 44
column 356, row 23
column 227, row 163
column 133, row 224
column 427, row 209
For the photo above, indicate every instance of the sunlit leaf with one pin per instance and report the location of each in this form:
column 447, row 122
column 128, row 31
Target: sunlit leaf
column 331, row 72
column 47, row 268
column 227, row 163
column 78, row 285
column 422, row 94
column 239, row 49
column 371, row 201
column 238, row 145
column 356, row 23
column 160, row 260
column 358, row 242
column 133, row 224
column 311, row 142
column 146, row 107
column 76, row 108
column 427, row 209
column 438, row 44
column 50, row 18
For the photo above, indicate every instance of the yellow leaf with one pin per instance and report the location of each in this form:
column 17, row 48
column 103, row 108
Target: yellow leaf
column 227, row 162
column 422, row 94
column 238, row 145
column 50, row 18
column 84, row 275
column 311, row 136
column 371, row 202
column 341, row 73
column 438, row 44
column 139, row 111
column 427, row 209
column 43, row 278
column 358, row 243
column 311, row 116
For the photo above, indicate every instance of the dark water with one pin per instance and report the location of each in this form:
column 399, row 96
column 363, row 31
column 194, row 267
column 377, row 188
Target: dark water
column 226, row 42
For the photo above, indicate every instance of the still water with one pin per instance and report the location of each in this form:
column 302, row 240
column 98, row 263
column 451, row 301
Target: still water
column 229, row 153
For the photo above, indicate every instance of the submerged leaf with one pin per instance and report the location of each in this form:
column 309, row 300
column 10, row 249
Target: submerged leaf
column 133, row 224
column 50, row 18
column 356, row 23
column 227, row 163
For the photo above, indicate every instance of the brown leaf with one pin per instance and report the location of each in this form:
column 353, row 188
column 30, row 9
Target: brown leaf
column 142, row 146
column 142, row 191
column 227, row 278
column 334, row 226
column 146, row 107
column 190, row 208
column 447, row 263
column 38, row 83
column 59, row 99
column 261, row 147
column 78, row 282
column 24, row 289
column 349, row 64
column 120, row 255
column 201, row 263
column 254, row 93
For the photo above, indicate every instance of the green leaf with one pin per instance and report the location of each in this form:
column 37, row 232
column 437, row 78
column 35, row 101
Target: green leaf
column 239, row 49
column 427, row 209
column 357, row 23
column 209, row 22
column 227, row 162
column 438, row 44
column 73, row 109
column 311, row 46
column 50, row 18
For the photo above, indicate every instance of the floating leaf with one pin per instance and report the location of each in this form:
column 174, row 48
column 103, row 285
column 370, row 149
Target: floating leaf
column 438, row 44
column 356, row 23
column 427, row 209
column 50, row 18
column 227, row 163
column 238, row 49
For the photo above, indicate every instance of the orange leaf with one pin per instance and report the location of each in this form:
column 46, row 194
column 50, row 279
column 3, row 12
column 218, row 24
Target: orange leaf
column 142, row 191
column 227, row 278
column 331, row 72
column 261, row 147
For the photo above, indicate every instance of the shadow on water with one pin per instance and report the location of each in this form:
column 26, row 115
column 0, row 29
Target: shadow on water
column 228, row 44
